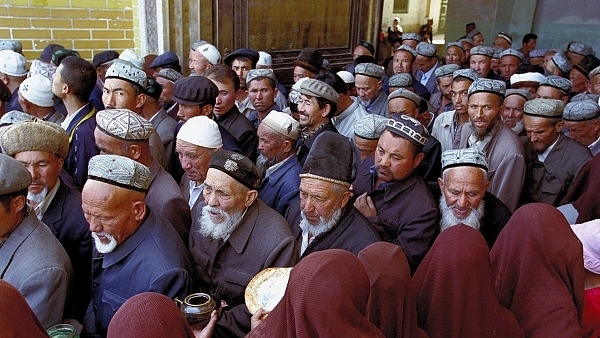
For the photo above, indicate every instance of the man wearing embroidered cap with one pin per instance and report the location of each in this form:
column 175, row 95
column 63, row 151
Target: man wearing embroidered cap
column 480, row 61
column 125, row 133
column 455, row 54
column 41, row 147
column 498, row 142
column 594, row 81
column 101, row 61
column 36, row 99
column 510, row 59
column 553, row 160
column 242, row 61
column 166, row 77
column 503, row 41
column 126, row 233
column 202, row 56
column 234, row 236
column 512, row 111
column 427, row 62
column 464, row 198
column 392, row 196
column 367, row 131
column 580, row 74
column 402, row 62
column 442, row 100
column 277, row 161
column 411, row 39
column 581, row 120
column 558, row 65
column 12, row 73
column 31, row 258
column 369, row 88
column 577, row 50
column 262, row 90
column 554, row 87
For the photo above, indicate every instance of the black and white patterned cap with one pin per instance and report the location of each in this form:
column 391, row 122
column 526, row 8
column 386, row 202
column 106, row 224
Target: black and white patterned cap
column 581, row 111
column 411, row 36
column 370, row 127
column 483, row 50
column 512, row 52
column 405, row 94
column 369, row 69
column 124, row 124
column 408, row 49
column 468, row 73
column 426, row 49
column 471, row 157
column 557, row 82
column 409, row 129
column 544, row 108
column 400, row 80
column 119, row 171
column 488, row 86
column 561, row 61
column 127, row 72
column 446, row 70
column 581, row 49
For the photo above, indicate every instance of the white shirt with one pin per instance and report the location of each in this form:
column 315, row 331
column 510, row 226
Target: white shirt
column 70, row 117
column 542, row 157
column 305, row 241
column 41, row 208
column 195, row 192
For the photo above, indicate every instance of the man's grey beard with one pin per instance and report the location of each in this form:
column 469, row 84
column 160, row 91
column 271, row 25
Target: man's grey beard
column 221, row 230
column 263, row 163
column 448, row 219
column 36, row 199
column 481, row 135
column 324, row 224
column 365, row 104
column 518, row 128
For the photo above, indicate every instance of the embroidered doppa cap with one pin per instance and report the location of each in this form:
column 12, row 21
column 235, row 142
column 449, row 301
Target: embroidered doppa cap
column 594, row 71
column 581, row 49
column 527, row 77
column 14, row 45
column 538, row 53
column 12, row 63
column 15, row 116
column 497, row 52
column 369, row 69
column 132, row 58
column 264, row 59
column 13, row 175
column 579, row 111
column 408, row 128
column 585, row 96
column 409, row 49
column 370, row 127
column 127, row 72
column 124, row 124
column 562, row 62
column 455, row 44
column 37, row 89
column 411, row 36
column 487, row 86
column 260, row 73
column 316, row 88
column 170, row 74
column 405, row 94
column 330, row 159
column 544, row 108
column 237, row 166
column 587, row 64
column 212, row 54
column 42, row 68
column 483, row 50
column 446, row 70
column 282, row 123
column 471, row 157
column 468, row 73
column 400, row 80
column 201, row 131
column 119, row 171
column 589, row 235
column 524, row 93
column 426, row 49
column 512, row 52
column 557, row 82
column 35, row 136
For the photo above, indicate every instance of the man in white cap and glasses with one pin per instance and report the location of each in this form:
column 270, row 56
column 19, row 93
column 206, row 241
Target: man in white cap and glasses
column 203, row 55
column 12, row 73
column 36, row 99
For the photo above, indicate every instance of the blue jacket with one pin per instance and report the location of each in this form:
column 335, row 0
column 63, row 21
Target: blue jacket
column 282, row 186
column 82, row 145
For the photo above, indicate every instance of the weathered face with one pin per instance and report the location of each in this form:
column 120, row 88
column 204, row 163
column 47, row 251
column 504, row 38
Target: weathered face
column 484, row 111
column 463, row 188
column 44, row 168
column 481, row 64
column 579, row 81
column 224, row 193
column 300, row 73
column 445, row 86
column 226, row 98
column 194, row 160
column 241, row 68
column 459, row 91
column 584, row 132
column 402, row 62
column 402, row 106
column 270, row 143
column 478, row 40
column 119, row 94
column 198, row 63
column 367, row 87
column 262, row 95
column 166, row 96
column 395, row 158
column 508, row 66
column 310, row 114
column 513, row 110
column 365, row 146
column 454, row 55
column 541, row 132
column 319, row 199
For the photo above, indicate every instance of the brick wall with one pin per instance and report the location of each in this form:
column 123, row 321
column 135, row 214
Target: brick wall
column 88, row 26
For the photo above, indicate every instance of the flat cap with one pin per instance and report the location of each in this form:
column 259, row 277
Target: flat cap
column 585, row 96
column 468, row 73
column 512, row 52
column 483, row 50
column 538, row 53
column 527, row 77
column 581, row 49
column 195, row 90
column 164, row 59
column 124, row 124
column 487, row 86
column 260, row 73
column 330, row 159
column 544, row 108
column 247, row 52
column 505, row 36
column 426, row 49
column 346, row 76
column 132, row 58
column 170, row 74
column 469, row 157
column 48, row 51
column 369, row 69
column 309, row 58
column 212, row 54
column 370, row 127
column 316, row 88
column 119, row 171
column 400, row 80
column 13, row 175
column 455, row 44
column 409, row 129
column 14, row 45
column 127, row 72
column 237, row 166
column 557, row 82
column 282, row 123
column 524, row 93
column 35, row 136
column 405, row 94
column 367, row 45
column 408, row 49
column 210, row 137
column 562, row 62
column 578, row 111
column 104, row 57
column 153, row 88
column 446, row 70
column 411, row 36
column 15, row 116
column 587, row 64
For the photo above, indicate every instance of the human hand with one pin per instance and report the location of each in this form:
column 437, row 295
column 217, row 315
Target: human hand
column 365, row 205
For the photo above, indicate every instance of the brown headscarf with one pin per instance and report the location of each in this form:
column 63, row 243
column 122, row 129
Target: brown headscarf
column 17, row 320
column 391, row 305
column 454, row 289
column 584, row 191
column 326, row 296
column 537, row 263
column 149, row 315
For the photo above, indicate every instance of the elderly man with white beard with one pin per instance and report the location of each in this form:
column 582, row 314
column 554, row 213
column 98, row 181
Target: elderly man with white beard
column 464, row 198
column 234, row 236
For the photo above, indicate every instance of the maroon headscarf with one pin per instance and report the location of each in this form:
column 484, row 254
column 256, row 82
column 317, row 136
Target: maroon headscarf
column 391, row 305
column 583, row 193
column 454, row 289
column 149, row 315
column 537, row 263
column 326, row 296
column 17, row 320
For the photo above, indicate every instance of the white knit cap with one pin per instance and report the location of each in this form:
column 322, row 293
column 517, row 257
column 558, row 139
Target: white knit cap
column 527, row 77
column 264, row 59
column 210, row 52
column 589, row 235
column 201, row 131
column 134, row 59
column 282, row 123
column 37, row 89
column 12, row 63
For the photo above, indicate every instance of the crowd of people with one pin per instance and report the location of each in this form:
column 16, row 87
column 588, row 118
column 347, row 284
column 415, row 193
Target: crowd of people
column 424, row 196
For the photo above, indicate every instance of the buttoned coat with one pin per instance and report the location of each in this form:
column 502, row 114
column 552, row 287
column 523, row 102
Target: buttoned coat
column 282, row 186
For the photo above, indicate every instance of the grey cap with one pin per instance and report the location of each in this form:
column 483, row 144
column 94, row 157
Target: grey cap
column 405, row 94
column 409, row 129
column 581, row 49
column 562, row 62
column 14, row 45
column 524, row 93
column 369, row 69
column 467, row 40
column 445, row 70
column 455, row 44
column 370, row 127
column 119, row 171
column 400, row 80
column 260, row 73
column 469, row 157
column 488, row 86
column 497, row 52
column 468, row 73
column 483, row 50
column 512, row 52
column 408, row 49
column 585, row 97
column 557, row 82
column 170, row 74
column 411, row 36
column 15, row 116
column 316, row 88
column 13, row 175
column 581, row 111
column 127, row 72
column 124, row 124
column 594, row 71
column 538, row 53
column 426, row 49
column 544, row 108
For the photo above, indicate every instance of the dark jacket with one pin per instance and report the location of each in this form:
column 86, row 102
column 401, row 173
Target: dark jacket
column 303, row 147
column 82, row 145
column 281, row 187
column 242, row 130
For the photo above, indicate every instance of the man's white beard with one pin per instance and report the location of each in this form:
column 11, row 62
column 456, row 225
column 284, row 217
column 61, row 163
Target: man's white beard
column 448, row 219
column 365, row 104
column 38, row 198
column 518, row 128
column 101, row 247
column 221, row 230
column 324, row 224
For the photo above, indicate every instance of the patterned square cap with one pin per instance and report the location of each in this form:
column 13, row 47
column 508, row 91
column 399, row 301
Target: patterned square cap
column 471, row 157
column 119, row 171
column 124, row 124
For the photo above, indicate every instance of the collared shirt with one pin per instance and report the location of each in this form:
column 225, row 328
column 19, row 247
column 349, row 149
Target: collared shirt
column 593, row 144
column 41, row 208
column 195, row 192
column 154, row 116
column 344, row 122
column 274, row 167
column 426, row 76
column 474, row 142
column 542, row 157
column 305, row 241
column 69, row 118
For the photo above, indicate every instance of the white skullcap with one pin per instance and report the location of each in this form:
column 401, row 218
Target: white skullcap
column 282, row 123
column 201, row 131
column 346, row 76
column 264, row 59
column 210, row 52
column 134, row 59
column 37, row 89
column 527, row 77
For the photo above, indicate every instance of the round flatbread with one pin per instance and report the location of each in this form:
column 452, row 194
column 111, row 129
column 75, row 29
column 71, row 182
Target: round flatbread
column 266, row 289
